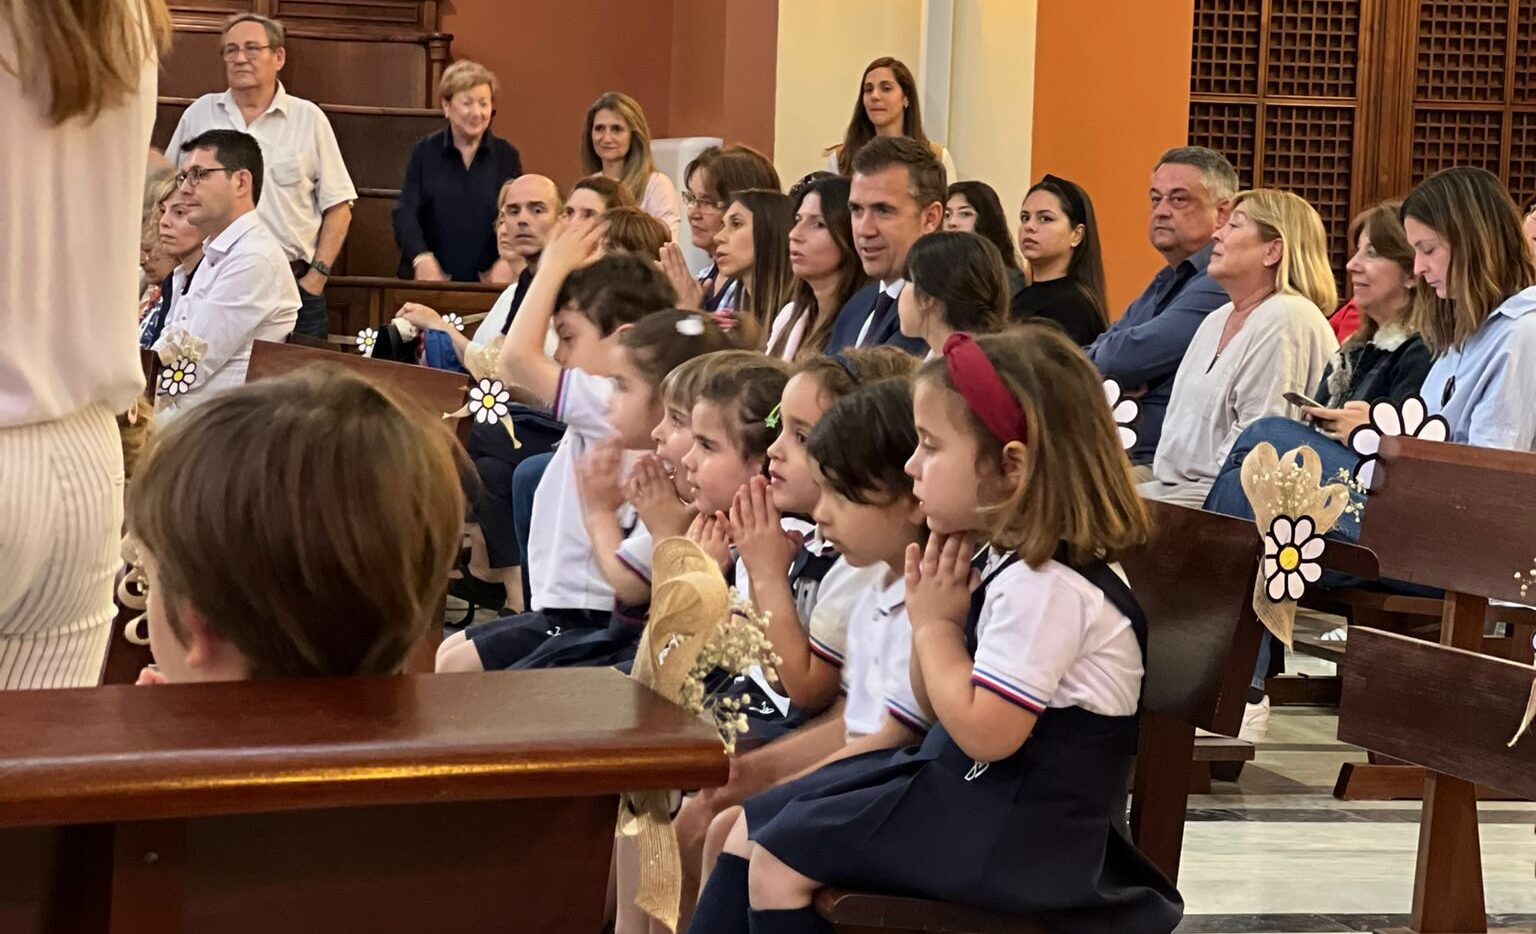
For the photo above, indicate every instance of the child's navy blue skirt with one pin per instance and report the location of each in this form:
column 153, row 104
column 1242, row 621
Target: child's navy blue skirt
column 614, row 644
column 502, row 643
column 1030, row 835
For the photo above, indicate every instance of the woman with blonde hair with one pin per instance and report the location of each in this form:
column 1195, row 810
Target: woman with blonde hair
column 444, row 219
column 616, row 142
column 77, row 99
column 1270, row 339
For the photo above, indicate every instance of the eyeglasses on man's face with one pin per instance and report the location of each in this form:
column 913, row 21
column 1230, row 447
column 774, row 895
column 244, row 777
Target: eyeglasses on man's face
column 194, row 176
column 250, row 50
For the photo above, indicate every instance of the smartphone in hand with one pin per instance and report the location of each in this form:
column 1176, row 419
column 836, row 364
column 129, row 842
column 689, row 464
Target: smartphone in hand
column 1296, row 398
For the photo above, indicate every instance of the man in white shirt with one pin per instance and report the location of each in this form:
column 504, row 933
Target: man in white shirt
column 242, row 292
column 897, row 195
column 308, row 207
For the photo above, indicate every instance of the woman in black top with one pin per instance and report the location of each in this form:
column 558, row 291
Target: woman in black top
column 974, row 207
column 445, row 217
column 1059, row 236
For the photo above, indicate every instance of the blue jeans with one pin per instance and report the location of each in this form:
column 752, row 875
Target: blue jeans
column 1227, row 497
column 525, row 483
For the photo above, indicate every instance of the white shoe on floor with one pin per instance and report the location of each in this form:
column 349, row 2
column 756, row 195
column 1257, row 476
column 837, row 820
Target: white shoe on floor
column 1255, row 722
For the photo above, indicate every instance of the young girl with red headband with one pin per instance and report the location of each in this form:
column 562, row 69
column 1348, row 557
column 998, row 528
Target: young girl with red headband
column 1029, row 658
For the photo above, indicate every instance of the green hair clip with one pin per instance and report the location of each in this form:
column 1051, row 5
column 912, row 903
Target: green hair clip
column 772, row 421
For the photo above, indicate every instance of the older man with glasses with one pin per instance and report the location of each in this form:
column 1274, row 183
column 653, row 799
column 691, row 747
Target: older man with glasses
column 309, row 199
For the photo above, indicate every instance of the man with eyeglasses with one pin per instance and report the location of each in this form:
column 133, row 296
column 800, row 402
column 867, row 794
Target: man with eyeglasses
column 309, row 195
column 242, row 292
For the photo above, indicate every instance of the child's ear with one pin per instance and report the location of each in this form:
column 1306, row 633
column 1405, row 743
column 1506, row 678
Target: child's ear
column 207, row 651
column 1015, row 465
column 621, row 329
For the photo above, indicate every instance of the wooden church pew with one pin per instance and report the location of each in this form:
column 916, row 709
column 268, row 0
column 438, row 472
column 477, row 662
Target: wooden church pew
column 1450, row 516
column 1194, row 580
column 1465, row 706
column 442, row 803
column 357, row 302
column 1470, row 510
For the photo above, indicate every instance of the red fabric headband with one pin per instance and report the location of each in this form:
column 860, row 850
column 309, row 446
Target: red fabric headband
column 982, row 389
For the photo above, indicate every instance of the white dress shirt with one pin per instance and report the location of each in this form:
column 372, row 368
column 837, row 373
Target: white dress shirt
column 243, row 292
column 70, row 203
column 305, row 175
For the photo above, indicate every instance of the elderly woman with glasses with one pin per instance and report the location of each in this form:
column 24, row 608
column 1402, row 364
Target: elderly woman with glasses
column 709, row 182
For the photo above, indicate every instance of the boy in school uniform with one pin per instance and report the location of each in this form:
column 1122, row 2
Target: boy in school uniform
column 263, row 559
column 591, row 302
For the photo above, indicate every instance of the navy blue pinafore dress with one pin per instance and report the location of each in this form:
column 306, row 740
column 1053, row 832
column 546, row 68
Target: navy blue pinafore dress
column 1031, row 834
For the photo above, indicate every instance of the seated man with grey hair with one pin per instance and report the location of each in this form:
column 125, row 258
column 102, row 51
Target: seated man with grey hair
column 1191, row 195
column 309, row 195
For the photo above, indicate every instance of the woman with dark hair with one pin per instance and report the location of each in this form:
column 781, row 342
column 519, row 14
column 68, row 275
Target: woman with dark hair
column 887, row 106
column 753, row 248
column 956, row 285
column 596, row 195
column 1059, row 236
column 616, row 142
column 826, row 266
column 709, row 181
column 974, row 207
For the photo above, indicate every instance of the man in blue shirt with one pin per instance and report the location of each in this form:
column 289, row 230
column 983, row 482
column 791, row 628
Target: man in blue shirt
column 1192, row 189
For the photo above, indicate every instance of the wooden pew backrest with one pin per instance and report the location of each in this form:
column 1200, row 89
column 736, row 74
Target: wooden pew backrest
column 1445, row 708
column 1477, row 495
column 1194, row 580
column 432, row 392
column 145, row 753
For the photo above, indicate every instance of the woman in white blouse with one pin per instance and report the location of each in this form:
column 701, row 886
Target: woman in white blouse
column 887, row 106
column 77, row 98
column 1271, row 339
column 616, row 142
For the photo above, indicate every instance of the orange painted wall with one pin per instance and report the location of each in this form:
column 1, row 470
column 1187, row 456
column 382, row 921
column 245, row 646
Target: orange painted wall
column 554, row 59
column 1111, row 94
column 724, row 70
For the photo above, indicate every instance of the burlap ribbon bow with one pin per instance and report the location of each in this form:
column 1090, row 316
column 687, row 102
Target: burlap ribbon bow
column 1289, row 486
column 689, row 601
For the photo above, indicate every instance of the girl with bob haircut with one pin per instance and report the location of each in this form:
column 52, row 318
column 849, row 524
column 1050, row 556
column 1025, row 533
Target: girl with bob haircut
column 957, row 285
column 1470, row 250
column 887, row 106
column 1033, row 676
column 1271, row 339
column 616, row 142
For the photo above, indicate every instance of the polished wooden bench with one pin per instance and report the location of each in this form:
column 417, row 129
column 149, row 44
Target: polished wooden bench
column 442, row 803
column 1194, row 580
column 357, row 302
column 1474, row 510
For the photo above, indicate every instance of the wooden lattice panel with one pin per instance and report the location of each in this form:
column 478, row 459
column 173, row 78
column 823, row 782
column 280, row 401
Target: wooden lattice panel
column 1443, row 138
column 1313, row 47
column 1522, row 157
column 1463, row 47
column 1226, row 47
column 1525, row 52
column 1307, row 150
column 1230, row 129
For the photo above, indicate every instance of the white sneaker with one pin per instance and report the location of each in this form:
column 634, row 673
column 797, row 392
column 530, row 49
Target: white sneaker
column 1255, row 722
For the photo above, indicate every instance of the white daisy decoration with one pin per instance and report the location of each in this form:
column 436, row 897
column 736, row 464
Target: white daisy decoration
column 454, row 321
column 1292, row 549
column 1125, row 411
column 1390, row 420
column 488, row 401
column 691, row 326
column 178, row 377
column 366, row 338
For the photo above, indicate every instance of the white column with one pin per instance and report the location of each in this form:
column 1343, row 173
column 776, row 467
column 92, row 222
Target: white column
column 936, row 54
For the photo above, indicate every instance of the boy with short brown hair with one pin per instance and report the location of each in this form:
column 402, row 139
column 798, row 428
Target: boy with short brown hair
column 296, row 527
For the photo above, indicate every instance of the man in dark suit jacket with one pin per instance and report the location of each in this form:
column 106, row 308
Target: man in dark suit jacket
column 897, row 195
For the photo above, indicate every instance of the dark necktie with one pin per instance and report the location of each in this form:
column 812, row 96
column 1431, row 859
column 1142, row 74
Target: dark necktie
column 523, row 279
column 882, row 321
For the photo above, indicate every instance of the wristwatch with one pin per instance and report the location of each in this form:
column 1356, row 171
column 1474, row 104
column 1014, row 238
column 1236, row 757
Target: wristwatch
column 321, row 268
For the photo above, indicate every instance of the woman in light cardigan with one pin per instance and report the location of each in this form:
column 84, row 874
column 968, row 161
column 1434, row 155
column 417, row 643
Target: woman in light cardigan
column 1271, row 339
column 616, row 142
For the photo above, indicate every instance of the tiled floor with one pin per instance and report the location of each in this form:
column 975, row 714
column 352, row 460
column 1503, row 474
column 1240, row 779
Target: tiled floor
column 1275, row 852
